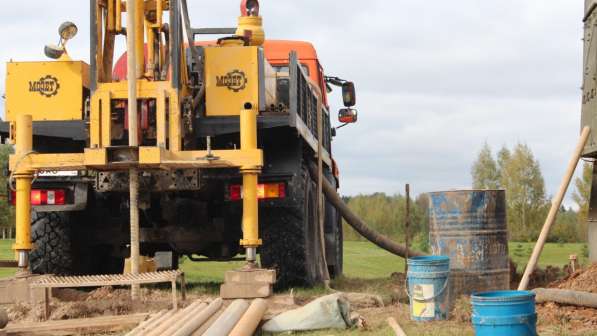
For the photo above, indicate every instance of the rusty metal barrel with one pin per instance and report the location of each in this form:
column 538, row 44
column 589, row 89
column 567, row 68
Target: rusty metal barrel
column 469, row 226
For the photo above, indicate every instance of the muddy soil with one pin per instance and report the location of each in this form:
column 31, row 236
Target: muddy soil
column 105, row 301
column 374, row 300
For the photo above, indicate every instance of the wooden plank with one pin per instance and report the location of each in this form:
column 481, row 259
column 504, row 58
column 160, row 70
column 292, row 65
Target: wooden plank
column 8, row 264
column 56, row 327
column 395, row 326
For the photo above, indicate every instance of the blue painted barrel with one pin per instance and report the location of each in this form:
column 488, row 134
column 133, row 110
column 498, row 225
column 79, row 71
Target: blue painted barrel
column 504, row 313
column 427, row 285
column 469, row 226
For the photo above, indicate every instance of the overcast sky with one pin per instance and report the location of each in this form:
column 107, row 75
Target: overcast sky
column 435, row 79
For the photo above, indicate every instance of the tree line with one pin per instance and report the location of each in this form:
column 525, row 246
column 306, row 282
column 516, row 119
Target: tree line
column 517, row 171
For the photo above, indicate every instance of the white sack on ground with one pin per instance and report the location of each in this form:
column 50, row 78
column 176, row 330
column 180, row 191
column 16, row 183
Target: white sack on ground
column 328, row 312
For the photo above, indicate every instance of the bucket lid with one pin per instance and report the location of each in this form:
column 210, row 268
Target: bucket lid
column 505, row 295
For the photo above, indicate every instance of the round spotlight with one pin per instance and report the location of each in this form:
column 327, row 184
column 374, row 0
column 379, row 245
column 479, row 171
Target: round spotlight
column 53, row 51
column 68, row 30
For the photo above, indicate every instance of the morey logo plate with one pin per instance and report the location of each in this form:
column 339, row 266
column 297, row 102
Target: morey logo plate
column 235, row 81
column 47, row 86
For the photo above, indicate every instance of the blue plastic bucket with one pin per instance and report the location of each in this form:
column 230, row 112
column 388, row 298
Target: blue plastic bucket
column 427, row 286
column 504, row 313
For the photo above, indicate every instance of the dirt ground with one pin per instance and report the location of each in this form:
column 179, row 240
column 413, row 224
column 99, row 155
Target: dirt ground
column 374, row 300
column 578, row 319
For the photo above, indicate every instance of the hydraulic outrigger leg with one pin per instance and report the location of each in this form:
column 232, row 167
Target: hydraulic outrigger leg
column 24, row 178
column 250, row 221
column 250, row 281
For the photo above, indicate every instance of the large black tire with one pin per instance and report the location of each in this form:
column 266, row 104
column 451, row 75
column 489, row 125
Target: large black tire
column 51, row 236
column 334, row 242
column 291, row 237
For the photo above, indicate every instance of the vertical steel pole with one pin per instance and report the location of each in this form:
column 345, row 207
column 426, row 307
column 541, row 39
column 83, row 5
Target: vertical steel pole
column 24, row 177
column 320, row 198
column 132, row 74
column 139, row 17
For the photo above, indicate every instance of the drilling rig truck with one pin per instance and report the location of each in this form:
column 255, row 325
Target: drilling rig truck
column 215, row 136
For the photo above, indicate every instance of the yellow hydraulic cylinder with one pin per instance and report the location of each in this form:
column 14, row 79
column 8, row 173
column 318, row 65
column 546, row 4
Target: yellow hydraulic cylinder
column 248, row 129
column 250, row 212
column 250, row 221
column 23, row 177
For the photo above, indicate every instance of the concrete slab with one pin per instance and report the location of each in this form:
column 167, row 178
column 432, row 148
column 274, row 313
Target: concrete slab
column 16, row 290
column 250, row 276
column 248, row 284
column 245, row 291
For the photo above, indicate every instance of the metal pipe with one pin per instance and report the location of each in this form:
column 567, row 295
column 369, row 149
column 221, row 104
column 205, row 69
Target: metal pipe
column 110, row 15
column 192, row 325
column 165, row 325
column 250, row 221
column 566, row 297
column 251, row 319
column 555, row 207
column 133, row 138
column 93, row 76
column 24, row 177
column 139, row 16
column 159, row 11
column 226, row 322
column 186, row 317
column 320, row 198
column 149, row 69
column 118, row 23
column 148, row 324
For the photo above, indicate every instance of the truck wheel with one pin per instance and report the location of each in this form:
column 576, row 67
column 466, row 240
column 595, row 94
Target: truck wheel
column 291, row 238
column 50, row 234
column 336, row 249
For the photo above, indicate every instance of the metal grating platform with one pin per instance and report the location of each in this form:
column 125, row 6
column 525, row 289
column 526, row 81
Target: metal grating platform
column 110, row 280
column 107, row 280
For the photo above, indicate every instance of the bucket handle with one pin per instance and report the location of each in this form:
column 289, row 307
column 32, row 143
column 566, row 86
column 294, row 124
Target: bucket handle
column 426, row 299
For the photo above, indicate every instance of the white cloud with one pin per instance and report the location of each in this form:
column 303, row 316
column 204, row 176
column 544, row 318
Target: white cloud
column 436, row 79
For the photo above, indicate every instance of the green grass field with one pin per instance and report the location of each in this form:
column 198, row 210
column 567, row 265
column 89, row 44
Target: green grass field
column 362, row 260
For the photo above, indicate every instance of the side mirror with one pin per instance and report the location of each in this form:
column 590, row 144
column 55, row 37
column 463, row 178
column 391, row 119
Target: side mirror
column 348, row 116
column 349, row 95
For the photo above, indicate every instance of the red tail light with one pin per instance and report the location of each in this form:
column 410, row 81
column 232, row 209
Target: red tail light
column 236, row 192
column 43, row 197
column 264, row 191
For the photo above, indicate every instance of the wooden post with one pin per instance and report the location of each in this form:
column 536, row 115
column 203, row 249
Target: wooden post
column 555, row 207
column 395, row 326
column 407, row 227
